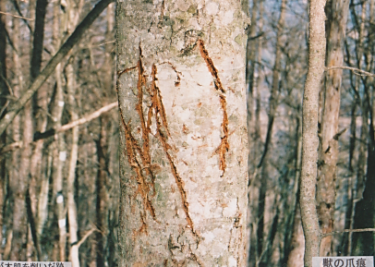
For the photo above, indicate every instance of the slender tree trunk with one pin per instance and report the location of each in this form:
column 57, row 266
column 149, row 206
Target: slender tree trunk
column 273, row 101
column 20, row 184
column 19, row 188
column 113, row 193
column 101, row 191
column 4, row 91
column 71, row 206
column 262, row 166
column 59, row 153
column 36, row 56
column 73, row 10
column 255, row 148
column 182, row 100
column 295, row 248
column 345, row 245
column 358, row 179
column 363, row 243
column 337, row 13
column 250, row 71
column 295, row 258
column 310, row 129
column 262, row 176
column 102, row 179
column 40, row 101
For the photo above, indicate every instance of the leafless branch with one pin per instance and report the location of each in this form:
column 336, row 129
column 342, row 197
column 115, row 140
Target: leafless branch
column 15, row 16
column 355, row 70
column 350, row 231
column 88, row 117
column 50, row 132
column 50, row 67
column 83, row 239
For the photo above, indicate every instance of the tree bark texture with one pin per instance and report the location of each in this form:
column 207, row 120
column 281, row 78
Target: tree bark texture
column 317, row 46
column 182, row 99
column 337, row 13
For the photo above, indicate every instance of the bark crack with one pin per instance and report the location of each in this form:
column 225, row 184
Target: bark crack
column 224, row 145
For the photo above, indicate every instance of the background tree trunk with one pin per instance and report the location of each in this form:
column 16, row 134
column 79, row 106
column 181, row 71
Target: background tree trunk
column 4, row 91
column 337, row 14
column 317, row 43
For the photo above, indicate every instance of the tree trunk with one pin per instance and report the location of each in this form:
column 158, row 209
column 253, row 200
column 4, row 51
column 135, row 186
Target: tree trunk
column 102, row 179
column 363, row 243
column 337, row 13
column 19, row 188
column 182, row 99
column 71, row 205
column 101, row 192
column 295, row 258
column 310, row 129
column 255, row 143
column 4, row 91
column 273, row 101
column 40, row 103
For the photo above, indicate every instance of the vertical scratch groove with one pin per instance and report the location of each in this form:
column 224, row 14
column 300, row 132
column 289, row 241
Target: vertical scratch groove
column 133, row 147
column 143, row 188
column 224, row 145
column 159, row 110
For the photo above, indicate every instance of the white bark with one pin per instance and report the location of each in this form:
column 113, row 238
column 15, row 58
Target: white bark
column 72, row 209
column 182, row 99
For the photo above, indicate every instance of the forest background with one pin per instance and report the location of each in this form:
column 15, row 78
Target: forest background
column 60, row 153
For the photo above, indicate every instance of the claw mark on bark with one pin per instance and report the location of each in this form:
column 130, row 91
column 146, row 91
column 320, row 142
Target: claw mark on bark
column 131, row 148
column 119, row 73
column 159, row 108
column 178, row 73
column 157, row 101
column 211, row 66
column 195, row 258
column 134, row 149
column 145, row 152
column 143, row 228
column 224, row 145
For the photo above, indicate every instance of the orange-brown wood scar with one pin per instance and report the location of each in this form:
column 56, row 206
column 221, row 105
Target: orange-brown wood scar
column 224, row 144
column 142, row 229
column 143, row 186
column 140, row 149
